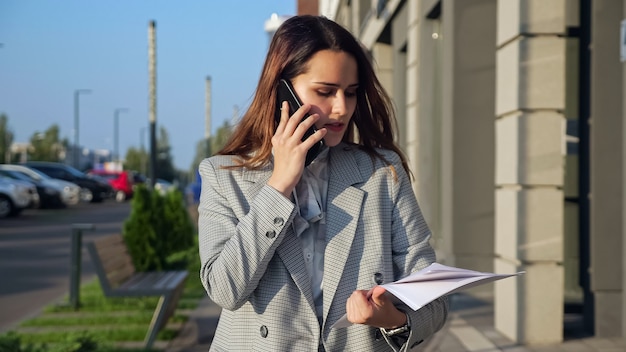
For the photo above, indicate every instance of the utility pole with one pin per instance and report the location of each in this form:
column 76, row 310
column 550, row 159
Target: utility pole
column 235, row 117
column 152, row 77
column 143, row 150
column 75, row 154
column 207, row 117
column 116, row 133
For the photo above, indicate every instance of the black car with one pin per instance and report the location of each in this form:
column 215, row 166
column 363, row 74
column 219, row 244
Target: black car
column 48, row 197
column 92, row 189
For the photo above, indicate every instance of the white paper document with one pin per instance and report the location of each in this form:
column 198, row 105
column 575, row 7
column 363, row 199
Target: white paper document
column 432, row 282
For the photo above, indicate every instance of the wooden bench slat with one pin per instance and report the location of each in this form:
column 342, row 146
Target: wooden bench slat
column 118, row 278
column 166, row 281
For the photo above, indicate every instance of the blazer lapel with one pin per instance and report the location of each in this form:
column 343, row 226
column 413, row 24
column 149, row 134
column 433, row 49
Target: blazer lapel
column 290, row 249
column 343, row 209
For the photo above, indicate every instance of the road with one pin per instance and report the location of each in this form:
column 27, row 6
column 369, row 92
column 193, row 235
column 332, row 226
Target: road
column 35, row 255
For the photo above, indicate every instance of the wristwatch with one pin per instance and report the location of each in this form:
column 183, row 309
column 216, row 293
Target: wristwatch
column 397, row 331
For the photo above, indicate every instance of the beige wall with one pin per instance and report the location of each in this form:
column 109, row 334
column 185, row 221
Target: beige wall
column 623, row 334
column 606, row 167
column 483, row 95
column 530, row 101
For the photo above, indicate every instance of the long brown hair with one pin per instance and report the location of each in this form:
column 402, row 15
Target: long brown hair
column 294, row 43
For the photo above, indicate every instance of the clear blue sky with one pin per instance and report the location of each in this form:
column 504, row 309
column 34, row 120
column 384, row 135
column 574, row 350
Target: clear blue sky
column 51, row 48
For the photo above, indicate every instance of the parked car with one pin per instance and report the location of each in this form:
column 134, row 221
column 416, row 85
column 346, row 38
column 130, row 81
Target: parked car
column 14, row 197
column 92, row 190
column 163, row 186
column 48, row 196
column 70, row 192
column 138, row 178
column 33, row 195
column 192, row 191
column 121, row 181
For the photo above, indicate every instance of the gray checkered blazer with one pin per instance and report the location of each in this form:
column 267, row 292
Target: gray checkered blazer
column 253, row 266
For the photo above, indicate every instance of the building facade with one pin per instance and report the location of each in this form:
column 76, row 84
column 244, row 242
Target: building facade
column 511, row 114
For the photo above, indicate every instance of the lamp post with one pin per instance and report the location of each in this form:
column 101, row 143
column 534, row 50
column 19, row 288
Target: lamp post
column 116, row 133
column 77, row 92
column 152, row 103
column 142, row 133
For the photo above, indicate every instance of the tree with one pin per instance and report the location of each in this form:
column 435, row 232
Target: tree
column 6, row 139
column 158, row 230
column 221, row 137
column 165, row 166
column 137, row 160
column 46, row 146
column 207, row 147
column 140, row 234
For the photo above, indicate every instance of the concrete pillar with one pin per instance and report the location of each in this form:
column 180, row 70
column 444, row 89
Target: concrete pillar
column 383, row 65
column 623, row 63
column 399, row 44
column 530, row 100
column 422, row 115
column 467, row 133
column 606, row 167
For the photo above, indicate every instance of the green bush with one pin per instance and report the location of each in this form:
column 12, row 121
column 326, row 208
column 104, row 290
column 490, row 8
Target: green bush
column 139, row 232
column 181, row 230
column 159, row 232
column 10, row 342
column 74, row 342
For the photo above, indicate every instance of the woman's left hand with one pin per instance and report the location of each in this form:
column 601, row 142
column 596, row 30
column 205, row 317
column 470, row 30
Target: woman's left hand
column 374, row 308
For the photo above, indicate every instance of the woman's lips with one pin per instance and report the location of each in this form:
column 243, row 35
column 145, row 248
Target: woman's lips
column 334, row 127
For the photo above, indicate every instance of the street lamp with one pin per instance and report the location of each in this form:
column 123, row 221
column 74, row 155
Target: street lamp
column 116, row 132
column 143, row 150
column 77, row 92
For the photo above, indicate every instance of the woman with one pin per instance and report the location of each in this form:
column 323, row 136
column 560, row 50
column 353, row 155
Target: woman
column 287, row 250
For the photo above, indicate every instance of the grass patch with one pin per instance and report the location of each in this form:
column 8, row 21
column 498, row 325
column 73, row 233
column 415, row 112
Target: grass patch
column 100, row 321
column 79, row 319
column 93, row 300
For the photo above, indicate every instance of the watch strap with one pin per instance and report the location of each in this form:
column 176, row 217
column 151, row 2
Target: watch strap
column 399, row 330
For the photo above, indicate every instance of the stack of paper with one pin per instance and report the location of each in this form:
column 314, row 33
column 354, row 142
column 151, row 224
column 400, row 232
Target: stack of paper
column 432, row 282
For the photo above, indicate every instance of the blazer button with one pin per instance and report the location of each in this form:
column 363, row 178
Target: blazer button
column 263, row 331
column 279, row 221
column 270, row 234
column 378, row 278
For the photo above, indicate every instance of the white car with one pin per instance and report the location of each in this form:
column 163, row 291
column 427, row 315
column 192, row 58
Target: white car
column 15, row 196
column 163, row 187
column 70, row 192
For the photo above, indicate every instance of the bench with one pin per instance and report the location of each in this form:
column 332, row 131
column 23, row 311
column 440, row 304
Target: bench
column 118, row 278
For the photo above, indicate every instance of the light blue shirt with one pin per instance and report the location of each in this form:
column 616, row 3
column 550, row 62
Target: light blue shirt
column 310, row 196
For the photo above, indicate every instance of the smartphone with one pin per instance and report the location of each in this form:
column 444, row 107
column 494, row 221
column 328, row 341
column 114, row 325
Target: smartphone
column 287, row 93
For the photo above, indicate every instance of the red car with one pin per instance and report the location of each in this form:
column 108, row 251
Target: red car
column 121, row 181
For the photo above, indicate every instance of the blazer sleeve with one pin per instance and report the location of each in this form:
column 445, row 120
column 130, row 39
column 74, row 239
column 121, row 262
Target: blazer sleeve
column 237, row 236
column 412, row 251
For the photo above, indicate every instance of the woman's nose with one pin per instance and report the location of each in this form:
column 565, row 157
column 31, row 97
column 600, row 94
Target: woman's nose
column 339, row 105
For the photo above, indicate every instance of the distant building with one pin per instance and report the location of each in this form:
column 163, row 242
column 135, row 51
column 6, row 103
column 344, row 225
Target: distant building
column 20, row 150
column 272, row 24
column 87, row 158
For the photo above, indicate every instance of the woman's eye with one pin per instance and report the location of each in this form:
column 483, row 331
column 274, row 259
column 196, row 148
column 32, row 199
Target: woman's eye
column 350, row 94
column 324, row 93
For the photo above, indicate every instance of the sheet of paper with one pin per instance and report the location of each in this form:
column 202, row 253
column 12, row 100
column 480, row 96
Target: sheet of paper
column 432, row 282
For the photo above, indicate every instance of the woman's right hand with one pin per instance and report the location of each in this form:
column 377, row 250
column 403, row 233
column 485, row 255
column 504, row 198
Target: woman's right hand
column 289, row 149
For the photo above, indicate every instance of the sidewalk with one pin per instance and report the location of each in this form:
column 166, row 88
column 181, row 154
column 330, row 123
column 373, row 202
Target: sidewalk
column 197, row 334
column 469, row 328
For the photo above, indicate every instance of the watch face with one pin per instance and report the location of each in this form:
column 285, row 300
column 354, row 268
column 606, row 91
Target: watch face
column 401, row 330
